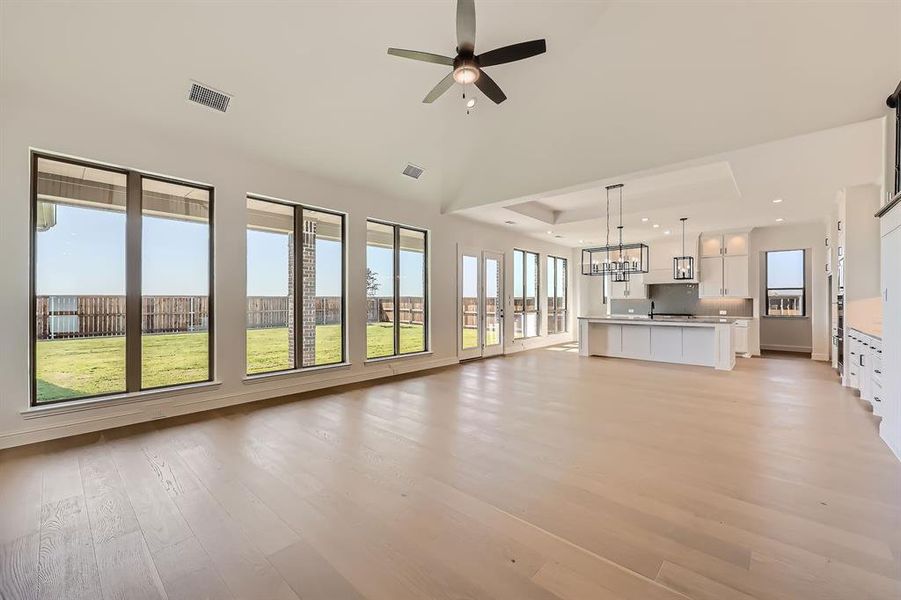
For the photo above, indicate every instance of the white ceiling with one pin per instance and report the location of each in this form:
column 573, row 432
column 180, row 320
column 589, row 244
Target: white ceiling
column 624, row 87
column 730, row 190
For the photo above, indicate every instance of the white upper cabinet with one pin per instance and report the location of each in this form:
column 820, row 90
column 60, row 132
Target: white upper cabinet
column 711, row 245
column 735, row 244
column 724, row 265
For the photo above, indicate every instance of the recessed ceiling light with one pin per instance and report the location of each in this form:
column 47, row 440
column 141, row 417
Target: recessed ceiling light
column 777, row 200
column 581, row 241
column 471, row 102
column 779, row 219
column 549, row 232
column 656, row 225
column 667, row 232
column 644, row 219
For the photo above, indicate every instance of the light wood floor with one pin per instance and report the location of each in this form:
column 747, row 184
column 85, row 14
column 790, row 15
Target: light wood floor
column 542, row 475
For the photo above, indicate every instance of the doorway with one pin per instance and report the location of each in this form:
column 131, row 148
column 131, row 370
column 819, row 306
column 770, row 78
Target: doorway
column 481, row 303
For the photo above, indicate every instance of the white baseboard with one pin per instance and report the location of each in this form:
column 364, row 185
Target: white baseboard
column 820, row 356
column 97, row 419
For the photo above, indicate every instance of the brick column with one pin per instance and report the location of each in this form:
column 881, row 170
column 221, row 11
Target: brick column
column 308, row 316
column 291, row 298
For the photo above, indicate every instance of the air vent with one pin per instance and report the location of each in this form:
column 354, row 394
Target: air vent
column 208, row 97
column 413, row 171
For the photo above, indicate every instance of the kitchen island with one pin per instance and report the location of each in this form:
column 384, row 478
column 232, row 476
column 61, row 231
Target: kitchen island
column 704, row 341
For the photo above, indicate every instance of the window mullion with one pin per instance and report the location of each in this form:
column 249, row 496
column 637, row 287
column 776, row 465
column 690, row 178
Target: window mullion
column 133, row 316
column 396, row 290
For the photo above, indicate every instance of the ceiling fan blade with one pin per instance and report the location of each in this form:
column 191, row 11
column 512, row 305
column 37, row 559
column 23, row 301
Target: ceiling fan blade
column 466, row 25
column 423, row 56
column 439, row 89
column 490, row 88
column 512, row 53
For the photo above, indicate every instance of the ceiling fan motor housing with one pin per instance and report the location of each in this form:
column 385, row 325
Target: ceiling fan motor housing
column 466, row 68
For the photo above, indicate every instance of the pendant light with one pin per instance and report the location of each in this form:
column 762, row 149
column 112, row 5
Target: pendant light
column 683, row 266
column 620, row 266
column 626, row 259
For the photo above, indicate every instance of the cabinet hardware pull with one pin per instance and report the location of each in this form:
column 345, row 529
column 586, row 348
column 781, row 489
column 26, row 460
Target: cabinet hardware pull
column 877, row 371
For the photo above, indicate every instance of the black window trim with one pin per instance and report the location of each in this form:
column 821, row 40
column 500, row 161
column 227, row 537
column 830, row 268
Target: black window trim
column 133, row 208
column 298, row 208
column 537, row 310
column 767, row 288
column 555, row 311
column 426, row 309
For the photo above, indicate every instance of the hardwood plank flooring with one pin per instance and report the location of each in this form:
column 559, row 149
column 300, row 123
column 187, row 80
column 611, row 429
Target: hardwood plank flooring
column 541, row 475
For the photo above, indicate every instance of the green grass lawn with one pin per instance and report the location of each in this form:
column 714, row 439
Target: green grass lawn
column 91, row 366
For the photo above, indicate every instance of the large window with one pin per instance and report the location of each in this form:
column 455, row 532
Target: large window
column 286, row 271
column 785, row 288
column 556, row 295
column 525, row 294
column 396, row 290
column 121, row 281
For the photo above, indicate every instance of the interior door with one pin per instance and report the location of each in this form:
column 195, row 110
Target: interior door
column 492, row 303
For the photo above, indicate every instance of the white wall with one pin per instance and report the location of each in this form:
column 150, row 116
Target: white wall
column 39, row 121
column 805, row 236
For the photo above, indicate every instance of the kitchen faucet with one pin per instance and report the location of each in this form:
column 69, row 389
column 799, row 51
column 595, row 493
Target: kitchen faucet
column 651, row 314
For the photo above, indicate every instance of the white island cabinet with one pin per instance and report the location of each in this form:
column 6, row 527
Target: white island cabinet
column 704, row 342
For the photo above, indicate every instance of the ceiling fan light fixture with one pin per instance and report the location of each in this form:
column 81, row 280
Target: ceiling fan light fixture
column 466, row 73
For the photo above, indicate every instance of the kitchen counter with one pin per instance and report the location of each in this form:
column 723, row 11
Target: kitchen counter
column 704, row 341
column 666, row 319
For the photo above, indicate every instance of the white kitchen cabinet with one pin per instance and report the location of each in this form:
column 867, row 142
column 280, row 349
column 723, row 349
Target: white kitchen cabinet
column 735, row 244
column 711, row 245
column 724, row 266
column 865, row 370
column 735, row 276
column 710, row 277
column 740, row 337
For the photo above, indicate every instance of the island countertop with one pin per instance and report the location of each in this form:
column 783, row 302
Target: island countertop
column 680, row 321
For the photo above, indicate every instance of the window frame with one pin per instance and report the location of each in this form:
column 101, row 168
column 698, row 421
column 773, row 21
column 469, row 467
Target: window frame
column 524, row 311
column 298, row 208
column 767, row 288
column 133, row 271
column 427, row 272
column 555, row 311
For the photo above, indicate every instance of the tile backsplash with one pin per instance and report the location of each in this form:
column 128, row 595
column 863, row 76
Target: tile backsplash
column 683, row 298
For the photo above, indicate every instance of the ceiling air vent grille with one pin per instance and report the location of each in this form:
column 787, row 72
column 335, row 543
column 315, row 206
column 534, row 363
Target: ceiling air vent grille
column 208, row 97
column 413, row 171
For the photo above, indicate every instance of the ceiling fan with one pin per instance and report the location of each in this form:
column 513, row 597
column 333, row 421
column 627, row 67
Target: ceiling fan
column 467, row 66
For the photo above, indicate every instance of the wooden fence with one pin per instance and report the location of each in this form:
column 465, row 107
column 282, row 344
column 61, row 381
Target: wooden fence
column 381, row 310
column 63, row 317
column 470, row 311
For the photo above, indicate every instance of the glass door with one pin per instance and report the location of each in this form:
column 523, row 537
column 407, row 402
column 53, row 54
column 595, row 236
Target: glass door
column 481, row 303
column 493, row 303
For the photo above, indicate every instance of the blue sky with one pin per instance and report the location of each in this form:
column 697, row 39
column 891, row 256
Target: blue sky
column 380, row 261
column 84, row 253
column 785, row 269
